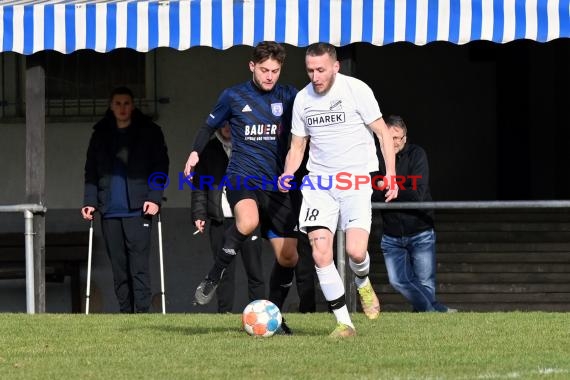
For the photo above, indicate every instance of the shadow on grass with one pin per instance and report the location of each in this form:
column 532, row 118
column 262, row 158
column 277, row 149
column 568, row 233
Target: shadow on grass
column 305, row 325
column 200, row 330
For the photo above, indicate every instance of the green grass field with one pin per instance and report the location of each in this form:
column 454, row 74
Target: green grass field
column 199, row 346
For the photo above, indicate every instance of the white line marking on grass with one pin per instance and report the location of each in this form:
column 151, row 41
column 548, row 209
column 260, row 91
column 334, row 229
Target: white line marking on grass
column 517, row 375
column 550, row 371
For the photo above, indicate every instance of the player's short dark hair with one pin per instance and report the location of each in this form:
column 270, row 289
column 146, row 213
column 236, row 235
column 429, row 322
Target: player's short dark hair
column 396, row 121
column 321, row 48
column 268, row 50
column 121, row 90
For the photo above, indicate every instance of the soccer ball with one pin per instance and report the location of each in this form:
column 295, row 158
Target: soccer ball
column 261, row 318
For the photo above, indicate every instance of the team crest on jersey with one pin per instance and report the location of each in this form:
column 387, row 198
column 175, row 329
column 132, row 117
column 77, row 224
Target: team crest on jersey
column 336, row 105
column 277, row 109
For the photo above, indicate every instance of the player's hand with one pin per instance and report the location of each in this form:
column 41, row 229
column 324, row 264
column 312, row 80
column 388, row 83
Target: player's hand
column 392, row 192
column 150, row 208
column 200, row 225
column 190, row 163
column 87, row 212
column 283, row 183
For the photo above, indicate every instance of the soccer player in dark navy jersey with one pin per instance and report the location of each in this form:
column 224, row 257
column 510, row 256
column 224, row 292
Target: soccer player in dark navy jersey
column 261, row 125
column 259, row 112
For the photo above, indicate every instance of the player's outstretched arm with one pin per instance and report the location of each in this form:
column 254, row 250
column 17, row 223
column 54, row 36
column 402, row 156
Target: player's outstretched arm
column 200, row 142
column 191, row 163
column 382, row 132
column 292, row 161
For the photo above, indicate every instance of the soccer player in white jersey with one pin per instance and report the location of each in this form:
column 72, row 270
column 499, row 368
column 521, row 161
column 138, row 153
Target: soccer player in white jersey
column 338, row 116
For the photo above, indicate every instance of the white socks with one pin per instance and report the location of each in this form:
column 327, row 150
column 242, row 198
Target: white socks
column 333, row 289
column 361, row 271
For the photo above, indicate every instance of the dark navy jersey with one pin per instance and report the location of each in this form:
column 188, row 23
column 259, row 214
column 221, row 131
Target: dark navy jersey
column 261, row 125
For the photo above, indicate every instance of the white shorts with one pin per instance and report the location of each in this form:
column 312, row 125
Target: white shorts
column 334, row 208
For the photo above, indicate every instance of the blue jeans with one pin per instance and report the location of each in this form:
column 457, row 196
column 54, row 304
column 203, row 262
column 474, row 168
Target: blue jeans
column 410, row 261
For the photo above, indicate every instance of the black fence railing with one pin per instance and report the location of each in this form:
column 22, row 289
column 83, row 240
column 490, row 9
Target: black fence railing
column 347, row 275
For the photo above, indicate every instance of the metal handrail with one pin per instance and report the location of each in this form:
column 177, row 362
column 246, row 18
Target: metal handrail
column 32, row 207
column 463, row 205
column 471, row 205
column 28, row 210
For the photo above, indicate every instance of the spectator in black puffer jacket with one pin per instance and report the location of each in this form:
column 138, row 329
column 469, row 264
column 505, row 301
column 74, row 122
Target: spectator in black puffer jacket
column 125, row 175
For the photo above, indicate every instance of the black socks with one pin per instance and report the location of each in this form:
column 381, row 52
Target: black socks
column 280, row 282
column 233, row 240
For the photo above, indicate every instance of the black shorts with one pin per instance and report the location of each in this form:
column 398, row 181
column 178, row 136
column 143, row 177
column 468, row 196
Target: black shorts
column 276, row 212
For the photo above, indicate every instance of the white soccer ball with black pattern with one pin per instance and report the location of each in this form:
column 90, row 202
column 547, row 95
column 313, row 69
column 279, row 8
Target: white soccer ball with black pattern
column 261, row 318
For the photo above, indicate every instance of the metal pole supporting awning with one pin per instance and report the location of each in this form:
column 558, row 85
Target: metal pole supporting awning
column 29, row 210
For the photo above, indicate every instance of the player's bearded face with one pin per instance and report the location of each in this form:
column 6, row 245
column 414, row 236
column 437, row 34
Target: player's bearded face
column 266, row 73
column 322, row 70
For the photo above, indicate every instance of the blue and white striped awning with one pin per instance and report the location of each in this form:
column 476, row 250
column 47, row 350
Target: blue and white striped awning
column 30, row 26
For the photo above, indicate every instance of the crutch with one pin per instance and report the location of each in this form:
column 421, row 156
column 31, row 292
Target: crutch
column 89, row 256
column 161, row 265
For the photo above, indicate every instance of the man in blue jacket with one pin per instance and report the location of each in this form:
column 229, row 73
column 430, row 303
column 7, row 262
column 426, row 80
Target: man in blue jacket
column 125, row 149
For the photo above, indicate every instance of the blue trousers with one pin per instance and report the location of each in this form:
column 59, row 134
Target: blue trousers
column 411, row 265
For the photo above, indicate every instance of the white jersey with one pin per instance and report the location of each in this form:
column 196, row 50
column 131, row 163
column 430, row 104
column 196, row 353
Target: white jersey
column 340, row 140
